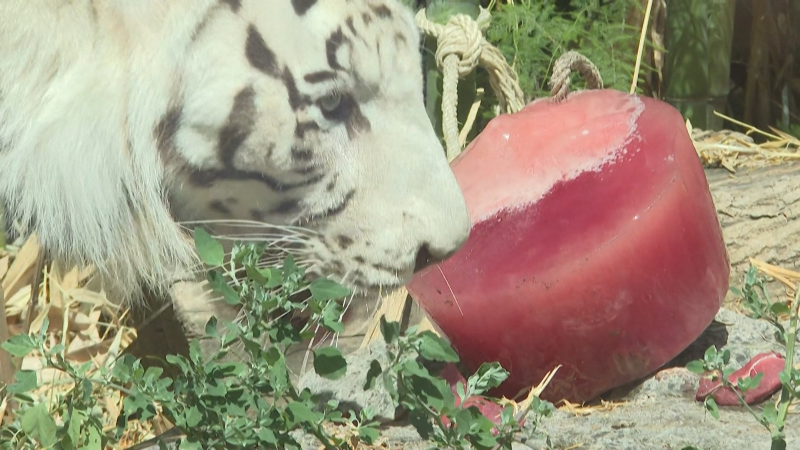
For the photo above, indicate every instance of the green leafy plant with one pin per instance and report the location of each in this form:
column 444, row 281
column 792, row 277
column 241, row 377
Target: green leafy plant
column 240, row 393
column 715, row 363
column 431, row 401
column 216, row 401
column 533, row 34
column 79, row 422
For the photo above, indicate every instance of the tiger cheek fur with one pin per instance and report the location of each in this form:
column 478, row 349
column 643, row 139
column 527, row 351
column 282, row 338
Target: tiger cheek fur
column 303, row 114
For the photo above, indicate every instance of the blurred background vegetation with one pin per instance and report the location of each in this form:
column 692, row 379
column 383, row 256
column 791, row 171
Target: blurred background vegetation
column 733, row 56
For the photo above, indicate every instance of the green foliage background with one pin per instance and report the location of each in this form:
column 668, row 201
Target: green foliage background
column 532, row 34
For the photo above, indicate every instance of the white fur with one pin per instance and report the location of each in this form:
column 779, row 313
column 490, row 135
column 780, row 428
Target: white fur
column 83, row 84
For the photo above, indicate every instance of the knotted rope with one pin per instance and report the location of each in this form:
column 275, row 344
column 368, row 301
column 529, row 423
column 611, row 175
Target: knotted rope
column 461, row 47
column 562, row 68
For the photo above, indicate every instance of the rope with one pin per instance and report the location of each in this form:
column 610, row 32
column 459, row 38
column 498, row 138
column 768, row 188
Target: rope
column 562, row 68
column 461, row 47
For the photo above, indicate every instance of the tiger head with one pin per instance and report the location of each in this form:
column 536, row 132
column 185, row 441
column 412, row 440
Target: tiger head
column 310, row 114
column 306, row 115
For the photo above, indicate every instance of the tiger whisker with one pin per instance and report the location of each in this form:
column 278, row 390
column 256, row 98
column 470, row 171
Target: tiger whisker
column 249, row 224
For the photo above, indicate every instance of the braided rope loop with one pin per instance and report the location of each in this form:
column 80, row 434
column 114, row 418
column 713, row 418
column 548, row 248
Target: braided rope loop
column 562, row 68
column 461, row 47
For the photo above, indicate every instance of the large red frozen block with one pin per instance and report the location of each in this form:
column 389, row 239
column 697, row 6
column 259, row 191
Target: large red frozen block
column 595, row 245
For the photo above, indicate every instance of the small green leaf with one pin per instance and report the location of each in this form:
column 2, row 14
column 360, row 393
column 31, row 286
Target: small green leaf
column 769, row 414
column 421, row 422
column 274, row 277
column 323, row 289
column 192, row 416
column 19, row 345
column 484, row 438
column 488, row 376
column 374, row 371
column 43, row 329
column 389, row 330
column 93, row 439
column 467, row 418
column 432, row 390
column 209, row 250
column 778, row 443
column 267, row 436
column 329, row 363
column 283, row 333
column 215, row 388
column 189, row 444
column 434, row 348
column 461, row 390
column 710, row 354
column 25, row 382
column 256, row 275
column 217, row 282
column 152, row 374
column 211, row 328
column 332, row 317
column 290, row 266
column 300, row 413
column 697, row 366
column 180, row 361
column 747, row 383
column 76, row 419
column 39, row 425
column 711, row 407
column 368, row 434
column 56, row 349
column 333, row 324
column 139, row 403
column 780, row 308
column 279, row 376
column 750, row 276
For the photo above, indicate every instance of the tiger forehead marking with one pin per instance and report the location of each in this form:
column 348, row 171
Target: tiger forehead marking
column 259, row 55
column 304, row 116
column 301, row 6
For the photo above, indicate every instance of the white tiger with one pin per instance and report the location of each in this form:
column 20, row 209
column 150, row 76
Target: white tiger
column 120, row 119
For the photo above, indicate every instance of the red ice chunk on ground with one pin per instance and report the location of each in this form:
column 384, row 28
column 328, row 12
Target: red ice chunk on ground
column 595, row 245
column 771, row 364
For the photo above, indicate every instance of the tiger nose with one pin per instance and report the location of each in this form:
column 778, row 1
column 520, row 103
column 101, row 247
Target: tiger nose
column 427, row 257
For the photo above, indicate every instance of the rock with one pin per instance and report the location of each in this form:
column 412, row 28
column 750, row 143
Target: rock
column 661, row 412
column 349, row 389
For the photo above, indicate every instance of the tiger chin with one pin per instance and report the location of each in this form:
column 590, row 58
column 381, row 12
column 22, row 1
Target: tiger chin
column 297, row 123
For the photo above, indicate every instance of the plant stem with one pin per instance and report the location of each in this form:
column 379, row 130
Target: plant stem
column 726, row 383
column 787, row 392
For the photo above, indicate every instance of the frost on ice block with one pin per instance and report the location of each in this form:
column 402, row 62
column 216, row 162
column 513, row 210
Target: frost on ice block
column 595, row 245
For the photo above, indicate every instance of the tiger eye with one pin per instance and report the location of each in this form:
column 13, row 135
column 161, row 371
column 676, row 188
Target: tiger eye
column 330, row 102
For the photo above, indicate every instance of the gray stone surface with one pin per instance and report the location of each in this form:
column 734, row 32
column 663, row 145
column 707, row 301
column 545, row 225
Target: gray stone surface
column 349, row 389
column 658, row 412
